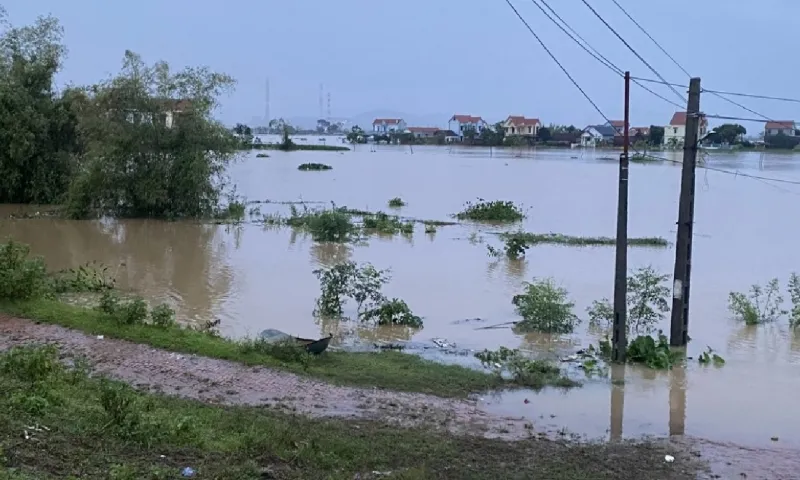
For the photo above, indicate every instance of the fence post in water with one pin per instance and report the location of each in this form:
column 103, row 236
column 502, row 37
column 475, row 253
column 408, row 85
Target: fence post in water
column 679, row 328
column 619, row 342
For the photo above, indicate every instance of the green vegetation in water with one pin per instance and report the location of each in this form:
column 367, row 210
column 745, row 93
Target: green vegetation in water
column 647, row 303
column 561, row 239
column 524, row 371
column 387, row 224
column 140, row 435
column 316, row 167
column 545, row 307
column 759, row 305
column 794, row 295
column 362, row 283
column 655, row 353
column 493, row 211
column 710, row 357
column 397, row 202
column 89, row 277
column 328, row 225
column 262, row 155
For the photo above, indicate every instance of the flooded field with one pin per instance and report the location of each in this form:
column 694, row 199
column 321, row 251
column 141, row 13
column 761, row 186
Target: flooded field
column 254, row 278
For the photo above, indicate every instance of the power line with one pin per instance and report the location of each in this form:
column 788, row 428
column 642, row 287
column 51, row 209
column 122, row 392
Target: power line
column 557, row 62
column 725, row 117
column 727, row 172
column 587, row 47
column 721, row 92
column 631, row 48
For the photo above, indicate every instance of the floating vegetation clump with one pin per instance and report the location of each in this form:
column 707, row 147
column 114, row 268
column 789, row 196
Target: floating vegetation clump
column 491, row 211
column 382, row 223
column 524, row 371
column 262, row 155
column 397, row 202
column 570, row 240
column 314, row 167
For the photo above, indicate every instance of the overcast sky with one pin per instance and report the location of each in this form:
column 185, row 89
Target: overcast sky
column 441, row 56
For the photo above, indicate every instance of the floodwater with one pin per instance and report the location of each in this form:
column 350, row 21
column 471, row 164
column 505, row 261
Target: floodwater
column 254, row 278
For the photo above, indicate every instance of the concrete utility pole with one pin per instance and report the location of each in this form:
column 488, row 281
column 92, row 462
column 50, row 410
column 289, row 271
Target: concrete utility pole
column 679, row 330
column 619, row 342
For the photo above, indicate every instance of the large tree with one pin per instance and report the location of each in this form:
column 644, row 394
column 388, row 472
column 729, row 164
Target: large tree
column 727, row 133
column 152, row 148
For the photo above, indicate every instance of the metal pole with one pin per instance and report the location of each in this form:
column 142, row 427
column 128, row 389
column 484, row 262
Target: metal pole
column 619, row 342
column 679, row 328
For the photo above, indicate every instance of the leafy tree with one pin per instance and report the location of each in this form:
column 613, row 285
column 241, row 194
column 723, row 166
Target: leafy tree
column 543, row 134
column 37, row 126
column 151, row 146
column 356, row 135
column 493, row 137
column 727, row 133
column 469, row 133
column 656, row 136
column 323, row 125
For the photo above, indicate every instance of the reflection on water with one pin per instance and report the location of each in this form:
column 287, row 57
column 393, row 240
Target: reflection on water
column 255, row 278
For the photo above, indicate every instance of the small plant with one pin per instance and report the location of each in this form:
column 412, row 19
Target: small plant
column 163, row 316
column 794, row 295
column 21, row 277
column 31, row 364
column 393, row 312
column 710, row 357
column 647, row 303
column 133, row 312
column 516, row 247
column 494, row 211
column 654, row 353
column 120, row 403
column 523, row 370
column 388, row 224
column 397, row 202
column 545, row 307
column 349, row 280
column 761, row 305
column 316, row 167
column 90, row 277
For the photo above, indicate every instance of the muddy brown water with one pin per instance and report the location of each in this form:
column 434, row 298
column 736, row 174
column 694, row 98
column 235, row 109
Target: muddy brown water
column 254, row 278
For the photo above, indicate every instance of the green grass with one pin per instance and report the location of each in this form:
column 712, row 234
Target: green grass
column 560, row 239
column 389, row 370
column 90, row 427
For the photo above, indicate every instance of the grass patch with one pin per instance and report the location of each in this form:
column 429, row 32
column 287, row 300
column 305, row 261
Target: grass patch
column 570, row 240
column 389, row 370
column 81, row 426
column 313, row 167
column 494, row 211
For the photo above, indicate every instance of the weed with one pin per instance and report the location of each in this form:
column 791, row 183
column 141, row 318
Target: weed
column 21, row 277
column 397, row 202
column 523, row 370
column 393, row 312
column 710, row 357
column 132, row 312
column 89, row 277
column 494, row 211
column 761, row 305
column 31, row 364
column 324, row 225
column 646, row 301
column 516, row 247
column 314, row 167
column 545, row 307
column 794, row 295
column 162, row 316
column 119, row 401
column 644, row 349
column 388, row 224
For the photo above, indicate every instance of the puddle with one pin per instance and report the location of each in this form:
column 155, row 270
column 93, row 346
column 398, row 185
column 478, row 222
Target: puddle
column 254, row 278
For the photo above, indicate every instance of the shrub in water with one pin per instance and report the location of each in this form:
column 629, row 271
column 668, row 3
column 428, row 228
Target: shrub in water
column 545, row 307
column 760, row 305
column 349, row 280
column 393, row 312
column 794, row 294
column 495, row 211
column 523, row 370
column 647, row 303
column 21, row 277
column 163, row 316
column 314, row 167
column 397, row 202
column 324, row 226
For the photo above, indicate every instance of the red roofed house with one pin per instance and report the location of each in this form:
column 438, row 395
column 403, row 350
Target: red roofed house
column 460, row 123
column 519, row 125
column 618, row 125
column 423, row 132
column 388, row 125
column 675, row 132
column 777, row 127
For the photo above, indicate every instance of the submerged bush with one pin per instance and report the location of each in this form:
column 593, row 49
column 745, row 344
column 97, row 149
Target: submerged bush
column 760, row 305
column 329, row 225
column 647, row 303
column 397, row 202
column 523, row 370
column 494, row 211
column 794, row 295
column 21, row 277
column 545, row 307
column 393, row 312
column 314, row 167
column 89, row 277
column 383, row 223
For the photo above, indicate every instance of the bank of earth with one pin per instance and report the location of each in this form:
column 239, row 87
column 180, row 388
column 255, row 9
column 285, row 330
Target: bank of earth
column 164, row 411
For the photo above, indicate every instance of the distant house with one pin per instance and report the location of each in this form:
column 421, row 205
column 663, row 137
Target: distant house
column 675, row 132
column 785, row 127
column 618, row 125
column 449, row 136
column 594, row 135
column 388, row 125
column 519, row 125
column 461, row 123
column 170, row 109
column 423, row 132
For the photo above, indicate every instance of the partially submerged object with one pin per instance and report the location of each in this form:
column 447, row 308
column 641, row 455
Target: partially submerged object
column 312, row 346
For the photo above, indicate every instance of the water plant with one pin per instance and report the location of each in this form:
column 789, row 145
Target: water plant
column 759, row 305
column 388, row 224
column 710, row 357
column 523, row 370
column 491, row 211
column 22, row 277
column 397, row 202
column 392, row 312
column 652, row 352
column 330, row 225
column 647, row 303
column 314, row 167
column 570, row 240
column 545, row 307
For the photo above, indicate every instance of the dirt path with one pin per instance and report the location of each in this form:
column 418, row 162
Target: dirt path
column 223, row 382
